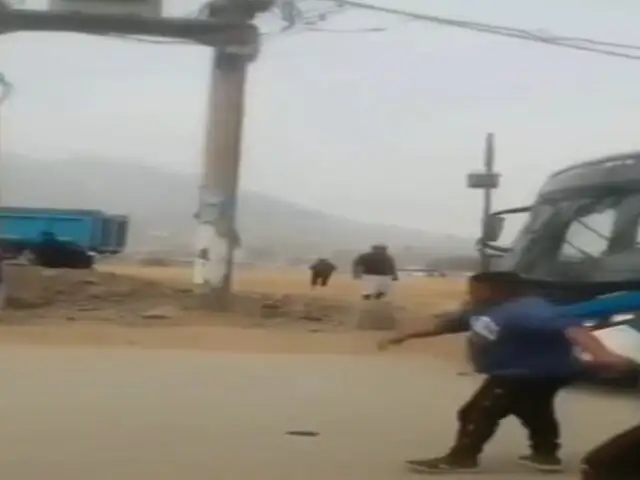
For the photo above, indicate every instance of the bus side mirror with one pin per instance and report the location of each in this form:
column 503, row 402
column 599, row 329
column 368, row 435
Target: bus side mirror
column 492, row 228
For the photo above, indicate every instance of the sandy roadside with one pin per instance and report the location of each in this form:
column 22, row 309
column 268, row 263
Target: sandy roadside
column 217, row 338
column 107, row 308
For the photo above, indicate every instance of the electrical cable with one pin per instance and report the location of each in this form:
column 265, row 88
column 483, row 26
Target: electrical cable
column 297, row 18
column 346, row 30
column 588, row 44
column 153, row 41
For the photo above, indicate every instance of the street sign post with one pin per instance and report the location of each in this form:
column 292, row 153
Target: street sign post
column 487, row 181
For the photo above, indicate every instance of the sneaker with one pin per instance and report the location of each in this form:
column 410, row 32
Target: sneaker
column 542, row 463
column 446, row 464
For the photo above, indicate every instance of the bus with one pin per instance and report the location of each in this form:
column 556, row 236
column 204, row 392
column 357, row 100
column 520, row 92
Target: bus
column 580, row 239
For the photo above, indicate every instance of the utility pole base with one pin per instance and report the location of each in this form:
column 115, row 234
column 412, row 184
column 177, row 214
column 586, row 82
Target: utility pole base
column 216, row 299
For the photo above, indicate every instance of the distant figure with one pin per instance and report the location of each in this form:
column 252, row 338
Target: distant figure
column 321, row 271
column 377, row 270
column 51, row 252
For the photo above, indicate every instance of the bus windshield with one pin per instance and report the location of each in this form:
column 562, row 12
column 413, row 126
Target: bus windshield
column 580, row 236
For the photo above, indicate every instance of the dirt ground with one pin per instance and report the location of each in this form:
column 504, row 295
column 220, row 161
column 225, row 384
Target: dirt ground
column 206, row 413
column 129, row 414
column 157, row 307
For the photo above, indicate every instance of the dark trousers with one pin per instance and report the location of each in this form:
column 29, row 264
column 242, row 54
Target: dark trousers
column 530, row 400
column 320, row 279
column 616, row 459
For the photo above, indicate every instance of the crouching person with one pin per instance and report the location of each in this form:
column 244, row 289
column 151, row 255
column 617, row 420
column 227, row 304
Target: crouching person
column 321, row 271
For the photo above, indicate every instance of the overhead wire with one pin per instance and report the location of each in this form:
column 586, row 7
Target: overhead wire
column 146, row 40
column 295, row 16
column 581, row 44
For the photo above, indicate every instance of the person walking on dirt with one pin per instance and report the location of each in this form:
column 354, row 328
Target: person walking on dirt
column 525, row 347
column 377, row 271
column 321, row 271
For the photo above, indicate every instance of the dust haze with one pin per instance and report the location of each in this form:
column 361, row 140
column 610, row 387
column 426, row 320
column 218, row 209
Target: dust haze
column 161, row 204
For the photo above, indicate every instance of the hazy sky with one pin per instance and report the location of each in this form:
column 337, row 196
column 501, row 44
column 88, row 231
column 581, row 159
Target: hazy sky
column 375, row 126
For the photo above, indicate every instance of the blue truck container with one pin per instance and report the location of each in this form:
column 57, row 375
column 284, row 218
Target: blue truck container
column 93, row 230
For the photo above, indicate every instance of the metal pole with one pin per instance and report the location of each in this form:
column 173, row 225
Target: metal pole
column 7, row 89
column 217, row 236
column 489, row 160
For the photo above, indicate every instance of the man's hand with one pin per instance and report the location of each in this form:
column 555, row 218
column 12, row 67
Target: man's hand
column 389, row 342
column 613, row 361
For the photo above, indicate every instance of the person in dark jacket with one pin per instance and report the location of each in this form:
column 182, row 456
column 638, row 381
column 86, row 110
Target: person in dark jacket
column 617, row 457
column 321, row 271
column 377, row 270
column 525, row 347
column 52, row 252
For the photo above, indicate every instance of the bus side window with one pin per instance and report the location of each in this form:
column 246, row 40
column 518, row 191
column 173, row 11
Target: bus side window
column 588, row 236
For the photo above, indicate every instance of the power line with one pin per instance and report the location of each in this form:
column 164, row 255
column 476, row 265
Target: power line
column 575, row 43
column 153, row 41
column 346, row 30
column 294, row 16
column 581, row 44
column 589, row 41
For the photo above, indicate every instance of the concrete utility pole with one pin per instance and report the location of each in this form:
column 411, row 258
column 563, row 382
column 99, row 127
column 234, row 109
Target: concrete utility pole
column 227, row 28
column 487, row 181
column 217, row 236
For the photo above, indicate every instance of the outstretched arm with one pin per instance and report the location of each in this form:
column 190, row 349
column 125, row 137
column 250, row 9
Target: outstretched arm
column 447, row 323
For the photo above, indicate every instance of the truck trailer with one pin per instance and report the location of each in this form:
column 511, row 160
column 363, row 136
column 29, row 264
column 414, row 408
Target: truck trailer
column 94, row 232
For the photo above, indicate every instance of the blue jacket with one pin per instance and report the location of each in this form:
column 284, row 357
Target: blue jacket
column 523, row 337
column 526, row 336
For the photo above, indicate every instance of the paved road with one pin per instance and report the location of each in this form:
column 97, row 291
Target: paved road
column 135, row 415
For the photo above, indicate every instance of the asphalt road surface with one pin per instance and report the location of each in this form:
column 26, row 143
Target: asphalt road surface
column 126, row 414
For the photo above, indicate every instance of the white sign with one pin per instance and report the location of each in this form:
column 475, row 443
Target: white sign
column 144, row 8
column 483, row 180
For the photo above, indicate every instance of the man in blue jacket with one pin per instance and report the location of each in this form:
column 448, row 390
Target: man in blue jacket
column 525, row 347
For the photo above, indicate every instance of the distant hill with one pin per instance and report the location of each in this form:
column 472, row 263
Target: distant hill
column 161, row 204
